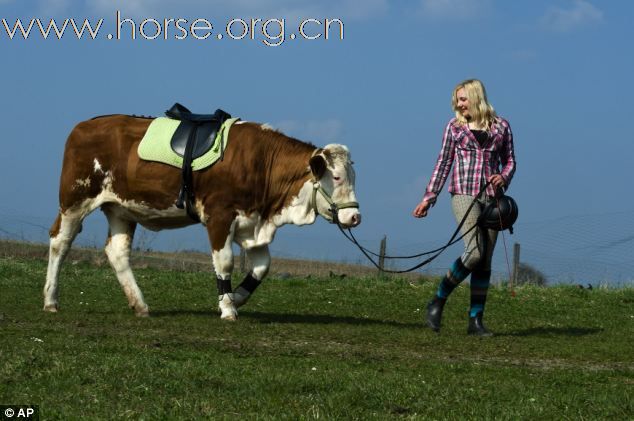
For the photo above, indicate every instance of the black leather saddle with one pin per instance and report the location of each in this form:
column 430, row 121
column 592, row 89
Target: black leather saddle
column 193, row 138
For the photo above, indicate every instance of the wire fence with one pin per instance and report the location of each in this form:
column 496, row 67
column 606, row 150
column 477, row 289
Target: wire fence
column 596, row 249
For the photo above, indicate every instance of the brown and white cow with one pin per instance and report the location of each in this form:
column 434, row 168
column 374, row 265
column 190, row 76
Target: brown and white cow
column 265, row 180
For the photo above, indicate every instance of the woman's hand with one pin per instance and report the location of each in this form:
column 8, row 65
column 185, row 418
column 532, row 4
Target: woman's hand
column 497, row 181
column 421, row 209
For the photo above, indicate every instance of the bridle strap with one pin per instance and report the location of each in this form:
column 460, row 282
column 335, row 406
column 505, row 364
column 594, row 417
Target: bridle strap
column 334, row 207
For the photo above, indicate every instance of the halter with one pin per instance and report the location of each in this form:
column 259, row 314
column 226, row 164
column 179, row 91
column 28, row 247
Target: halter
column 334, row 207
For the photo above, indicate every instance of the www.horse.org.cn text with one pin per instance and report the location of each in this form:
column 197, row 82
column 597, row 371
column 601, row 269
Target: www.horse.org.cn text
column 271, row 32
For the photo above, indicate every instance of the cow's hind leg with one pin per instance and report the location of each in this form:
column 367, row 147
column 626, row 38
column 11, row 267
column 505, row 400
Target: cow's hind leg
column 64, row 230
column 118, row 246
column 261, row 261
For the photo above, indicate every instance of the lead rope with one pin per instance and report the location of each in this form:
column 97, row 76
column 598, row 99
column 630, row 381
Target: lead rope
column 506, row 254
column 437, row 251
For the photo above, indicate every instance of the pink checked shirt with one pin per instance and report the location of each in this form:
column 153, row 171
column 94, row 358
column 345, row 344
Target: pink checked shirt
column 474, row 164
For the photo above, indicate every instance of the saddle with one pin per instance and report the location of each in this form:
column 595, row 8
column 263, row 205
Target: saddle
column 193, row 138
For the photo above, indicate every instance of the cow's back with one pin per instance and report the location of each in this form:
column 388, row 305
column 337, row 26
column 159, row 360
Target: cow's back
column 102, row 154
column 261, row 171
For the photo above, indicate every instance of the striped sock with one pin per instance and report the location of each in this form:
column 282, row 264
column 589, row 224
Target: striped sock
column 480, row 280
column 456, row 274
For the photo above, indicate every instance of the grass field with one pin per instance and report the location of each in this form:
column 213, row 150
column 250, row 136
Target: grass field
column 352, row 348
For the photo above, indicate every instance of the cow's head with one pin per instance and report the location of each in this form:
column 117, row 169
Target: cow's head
column 333, row 176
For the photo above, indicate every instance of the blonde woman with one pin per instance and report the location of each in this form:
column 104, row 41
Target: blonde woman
column 479, row 145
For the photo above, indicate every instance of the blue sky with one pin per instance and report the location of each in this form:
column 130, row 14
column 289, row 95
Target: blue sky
column 559, row 71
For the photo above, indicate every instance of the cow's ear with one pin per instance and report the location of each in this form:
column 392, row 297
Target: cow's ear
column 318, row 166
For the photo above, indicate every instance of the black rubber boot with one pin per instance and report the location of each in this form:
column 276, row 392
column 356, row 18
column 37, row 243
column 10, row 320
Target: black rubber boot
column 434, row 313
column 477, row 328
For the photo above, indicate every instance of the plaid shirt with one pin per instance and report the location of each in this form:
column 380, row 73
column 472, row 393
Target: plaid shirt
column 474, row 164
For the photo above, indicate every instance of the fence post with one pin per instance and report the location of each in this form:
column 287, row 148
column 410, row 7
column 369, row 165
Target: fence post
column 382, row 255
column 516, row 263
column 243, row 260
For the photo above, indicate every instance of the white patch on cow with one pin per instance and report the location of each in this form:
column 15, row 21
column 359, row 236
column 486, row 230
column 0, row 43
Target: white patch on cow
column 70, row 225
column 252, row 231
column 151, row 218
column 200, row 209
column 299, row 212
column 260, row 260
column 118, row 252
column 82, row 183
column 223, row 266
column 248, row 230
column 97, row 166
column 267, row 126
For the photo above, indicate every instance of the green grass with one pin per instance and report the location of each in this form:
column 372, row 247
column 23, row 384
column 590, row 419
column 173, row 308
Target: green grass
column 304, row 349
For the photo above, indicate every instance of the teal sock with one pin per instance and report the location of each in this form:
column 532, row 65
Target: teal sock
column 480, row 280
column 456, row 274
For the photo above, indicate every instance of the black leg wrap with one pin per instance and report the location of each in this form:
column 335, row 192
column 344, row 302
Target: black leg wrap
column 250, row 283
column 224, row 286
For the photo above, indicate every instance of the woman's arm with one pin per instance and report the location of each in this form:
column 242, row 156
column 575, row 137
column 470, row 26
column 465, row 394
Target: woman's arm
column 439, row 175
column 442, row 167
column 507, row 155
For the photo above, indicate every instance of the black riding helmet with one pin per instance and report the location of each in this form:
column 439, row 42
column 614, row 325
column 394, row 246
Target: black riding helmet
column 500, row 214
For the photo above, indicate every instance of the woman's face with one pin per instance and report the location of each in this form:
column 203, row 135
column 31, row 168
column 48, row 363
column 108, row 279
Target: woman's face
column 463, row 103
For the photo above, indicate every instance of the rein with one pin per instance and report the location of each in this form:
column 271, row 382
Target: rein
column 435, row 253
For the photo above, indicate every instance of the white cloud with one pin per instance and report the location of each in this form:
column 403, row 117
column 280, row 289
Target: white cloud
column 318, row 132
column 454, row 9
column 581, row 13
column 288, row 9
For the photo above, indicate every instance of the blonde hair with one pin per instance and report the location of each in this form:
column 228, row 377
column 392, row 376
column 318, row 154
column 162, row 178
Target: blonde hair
column 482, row 113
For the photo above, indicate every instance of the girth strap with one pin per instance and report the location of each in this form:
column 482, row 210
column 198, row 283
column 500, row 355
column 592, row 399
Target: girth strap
column 186, row 198
column 186, row 195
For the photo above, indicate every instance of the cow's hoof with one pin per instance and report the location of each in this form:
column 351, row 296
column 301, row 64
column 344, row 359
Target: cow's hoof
column 229, row 317
column 227, row 307
column 51, row 308
column 141, row 311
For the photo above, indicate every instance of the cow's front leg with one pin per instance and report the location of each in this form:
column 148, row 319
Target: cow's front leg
column 261, row 260
column 222, row 256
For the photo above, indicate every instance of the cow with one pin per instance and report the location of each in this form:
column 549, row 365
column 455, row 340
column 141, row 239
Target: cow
column 265, row 180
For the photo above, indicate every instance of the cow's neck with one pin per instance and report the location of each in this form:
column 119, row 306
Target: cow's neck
column 288, row 185
column 300, row 211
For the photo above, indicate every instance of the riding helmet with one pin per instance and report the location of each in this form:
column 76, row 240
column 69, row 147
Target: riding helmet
column 499, row 214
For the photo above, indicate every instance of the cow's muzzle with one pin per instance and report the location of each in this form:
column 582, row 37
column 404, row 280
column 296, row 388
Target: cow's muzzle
column 332, row 215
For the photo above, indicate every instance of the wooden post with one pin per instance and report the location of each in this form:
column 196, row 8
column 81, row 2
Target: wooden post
column 243, row 261
column 516, row 263
column 382, row 255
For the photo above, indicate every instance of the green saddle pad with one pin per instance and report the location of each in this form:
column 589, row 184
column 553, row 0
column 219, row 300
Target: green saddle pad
column 155, row 145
